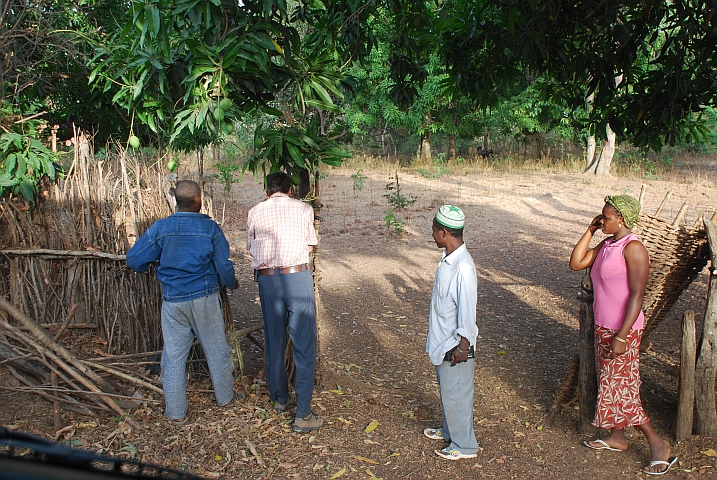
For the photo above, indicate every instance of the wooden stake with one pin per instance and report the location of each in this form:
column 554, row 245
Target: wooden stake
column 679, row 218
column 643, row 189
column 662, row 205
column 587, row 376
column 686, row 395
column 706, row 368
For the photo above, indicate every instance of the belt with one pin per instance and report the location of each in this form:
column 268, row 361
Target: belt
column 283, row 270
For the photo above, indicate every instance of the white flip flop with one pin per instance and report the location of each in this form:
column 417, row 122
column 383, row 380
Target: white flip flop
column 603, row 445
column 660, row 462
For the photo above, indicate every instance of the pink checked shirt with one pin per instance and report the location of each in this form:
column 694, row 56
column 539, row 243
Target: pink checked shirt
column 279, row 232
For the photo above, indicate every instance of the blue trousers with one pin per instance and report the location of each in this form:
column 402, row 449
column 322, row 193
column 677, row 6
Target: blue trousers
column 288, row 302
column 181, row 321
column 456, row 386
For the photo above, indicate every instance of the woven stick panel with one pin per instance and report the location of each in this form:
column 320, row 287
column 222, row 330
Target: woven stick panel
column 677, row 256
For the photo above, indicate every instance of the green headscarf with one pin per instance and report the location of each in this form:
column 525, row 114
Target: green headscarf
column 626, row 206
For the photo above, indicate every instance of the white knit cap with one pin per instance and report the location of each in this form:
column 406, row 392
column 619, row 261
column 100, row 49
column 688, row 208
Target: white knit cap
column 451, row 217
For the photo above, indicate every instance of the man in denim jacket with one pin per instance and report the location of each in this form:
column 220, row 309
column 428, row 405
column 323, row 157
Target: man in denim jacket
column 193, row 257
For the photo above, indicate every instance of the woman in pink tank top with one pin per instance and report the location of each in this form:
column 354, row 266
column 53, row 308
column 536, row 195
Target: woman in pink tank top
column 620, row 267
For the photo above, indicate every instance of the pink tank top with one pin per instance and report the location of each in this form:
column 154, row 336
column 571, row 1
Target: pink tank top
column 610, row 285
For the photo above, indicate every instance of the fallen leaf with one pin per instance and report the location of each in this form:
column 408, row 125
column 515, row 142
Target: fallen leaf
column 370, row 442
column 338, row 474
column 337, row 392
column 371, row 426
column 371, row 474
column 709, row 452
column 347, row 422
column 87, row 424
column 394, row 454
column 364, row 459
column 253, row 451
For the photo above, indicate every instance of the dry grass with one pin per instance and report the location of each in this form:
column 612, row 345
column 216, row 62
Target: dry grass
column 685, row 168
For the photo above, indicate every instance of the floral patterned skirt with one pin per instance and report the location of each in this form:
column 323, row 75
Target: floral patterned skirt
column 618, row 403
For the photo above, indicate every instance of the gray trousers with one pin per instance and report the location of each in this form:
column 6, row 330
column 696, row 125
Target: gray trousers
column 456, row 386
column 288, row 302
column 181, row 321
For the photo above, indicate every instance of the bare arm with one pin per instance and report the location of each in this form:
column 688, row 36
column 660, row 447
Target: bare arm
column 582, row 256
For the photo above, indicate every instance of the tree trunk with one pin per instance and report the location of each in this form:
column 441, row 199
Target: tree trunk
column 602, row 169
column 706, row 368
column 452, row 146
column 200, row 168
column 686, row 391
column 600, row 166
column 590, row 151
column 426, row 147
column 587, row 376
column 304, row 183
column 591, row 144
column 384, row 141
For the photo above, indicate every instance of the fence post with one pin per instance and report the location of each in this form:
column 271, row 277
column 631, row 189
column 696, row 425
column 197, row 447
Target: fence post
column 587, row 376
column 686, row 395
column 706, row 368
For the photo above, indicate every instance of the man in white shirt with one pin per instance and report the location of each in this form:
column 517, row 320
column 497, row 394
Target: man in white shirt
column 452, row 334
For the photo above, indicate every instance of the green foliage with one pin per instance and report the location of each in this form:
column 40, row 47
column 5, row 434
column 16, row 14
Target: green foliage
column 226, row 174
column 24, row 161
column 661, row 50
column 395, row 225
column 358, row 177
column 394, row 195
column 437, row 172
column 187, row 69
column 292, row 148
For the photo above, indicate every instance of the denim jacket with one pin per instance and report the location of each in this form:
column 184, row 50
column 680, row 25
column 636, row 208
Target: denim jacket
column 193, row 255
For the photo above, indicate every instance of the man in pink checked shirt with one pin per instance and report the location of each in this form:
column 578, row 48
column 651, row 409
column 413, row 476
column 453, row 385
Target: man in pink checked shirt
column 280, row 235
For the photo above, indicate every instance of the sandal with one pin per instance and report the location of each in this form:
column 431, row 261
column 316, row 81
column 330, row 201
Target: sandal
column 653, row 463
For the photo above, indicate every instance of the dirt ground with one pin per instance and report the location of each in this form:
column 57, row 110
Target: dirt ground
column 375, row 289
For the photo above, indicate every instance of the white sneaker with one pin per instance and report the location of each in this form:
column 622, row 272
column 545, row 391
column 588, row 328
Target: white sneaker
column 450, row 454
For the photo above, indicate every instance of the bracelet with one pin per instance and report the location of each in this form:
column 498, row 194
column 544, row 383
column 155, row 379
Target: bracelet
column 458, row 349
column 621, row 340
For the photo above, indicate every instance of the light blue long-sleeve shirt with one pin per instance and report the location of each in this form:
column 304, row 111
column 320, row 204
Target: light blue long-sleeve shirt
column 453, row 304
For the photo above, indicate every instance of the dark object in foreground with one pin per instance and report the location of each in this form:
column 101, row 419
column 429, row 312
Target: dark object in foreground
column 27, row 457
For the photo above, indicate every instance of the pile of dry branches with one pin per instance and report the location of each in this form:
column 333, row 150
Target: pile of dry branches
column 50, row 370
column 62, row 263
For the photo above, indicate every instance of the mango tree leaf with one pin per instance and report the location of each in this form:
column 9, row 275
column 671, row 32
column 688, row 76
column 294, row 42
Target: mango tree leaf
column 371, row 426
column 338, row 474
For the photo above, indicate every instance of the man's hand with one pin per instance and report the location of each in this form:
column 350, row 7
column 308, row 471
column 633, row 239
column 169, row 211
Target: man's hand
column 460, row 354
